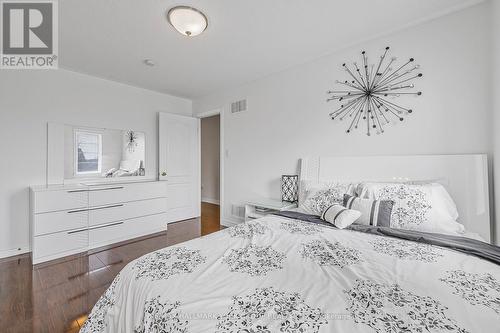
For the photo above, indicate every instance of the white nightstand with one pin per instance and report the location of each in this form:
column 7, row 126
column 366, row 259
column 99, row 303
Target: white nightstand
column 255, row 209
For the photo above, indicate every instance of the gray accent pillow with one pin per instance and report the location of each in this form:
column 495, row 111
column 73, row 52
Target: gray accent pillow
column 373, row 212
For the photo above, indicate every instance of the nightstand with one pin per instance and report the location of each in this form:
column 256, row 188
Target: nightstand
column 259, row 208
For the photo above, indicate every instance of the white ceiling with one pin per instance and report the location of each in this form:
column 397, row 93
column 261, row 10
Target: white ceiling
column 245, row 40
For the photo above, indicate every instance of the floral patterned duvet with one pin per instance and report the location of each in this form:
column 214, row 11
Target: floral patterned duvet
column 277, row 274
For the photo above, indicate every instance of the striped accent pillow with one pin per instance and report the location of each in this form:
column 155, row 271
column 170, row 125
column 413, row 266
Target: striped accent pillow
column 373, row 212
column 340, row 216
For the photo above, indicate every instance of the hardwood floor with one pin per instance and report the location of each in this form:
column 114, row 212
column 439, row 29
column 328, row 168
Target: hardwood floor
column 57, row 297
column 210, row 218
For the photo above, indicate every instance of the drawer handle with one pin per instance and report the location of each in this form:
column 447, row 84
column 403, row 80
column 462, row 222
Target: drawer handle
column 76, row 231
column 96, row 208
column 77, row 211
column 107, row 189
column 77, row 191
column 106, row 207
column 106, row 225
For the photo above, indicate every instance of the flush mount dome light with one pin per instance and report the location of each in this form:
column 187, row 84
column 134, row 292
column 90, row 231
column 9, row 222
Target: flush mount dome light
column 187, row 20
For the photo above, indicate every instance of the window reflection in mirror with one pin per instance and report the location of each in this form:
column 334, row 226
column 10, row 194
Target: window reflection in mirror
column 88, row 153
column 103, row 153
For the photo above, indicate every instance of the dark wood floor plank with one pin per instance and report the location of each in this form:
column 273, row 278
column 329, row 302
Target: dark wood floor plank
column 210, row 218
column 57, row 296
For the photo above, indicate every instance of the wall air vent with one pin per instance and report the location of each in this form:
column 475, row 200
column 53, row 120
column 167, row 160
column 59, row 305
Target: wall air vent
column 239, row 106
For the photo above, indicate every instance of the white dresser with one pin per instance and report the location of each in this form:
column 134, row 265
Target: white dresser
column 71, row 219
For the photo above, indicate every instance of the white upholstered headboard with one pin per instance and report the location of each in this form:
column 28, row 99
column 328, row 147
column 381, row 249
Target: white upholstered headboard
column 464, row 176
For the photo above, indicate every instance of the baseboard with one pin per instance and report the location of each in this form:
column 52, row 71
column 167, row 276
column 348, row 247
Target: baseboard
column 211, row 201
column 14, row 252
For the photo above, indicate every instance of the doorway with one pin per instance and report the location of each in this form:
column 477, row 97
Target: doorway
column 210, row 138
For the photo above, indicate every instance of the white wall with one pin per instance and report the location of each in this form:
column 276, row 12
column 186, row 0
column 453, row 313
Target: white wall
column 210, row 159
column 495, row 92
column 30, row 99
column 288, row 116
column 112, row 149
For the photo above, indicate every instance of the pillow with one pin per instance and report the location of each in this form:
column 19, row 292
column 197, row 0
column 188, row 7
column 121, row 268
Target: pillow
column 421, row 207
column 130, row 165
column 373, row 212
column 315, row 197
column 340, row 216
column 122, row 173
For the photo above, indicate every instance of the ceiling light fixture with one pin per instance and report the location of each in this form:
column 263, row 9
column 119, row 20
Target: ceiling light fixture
column 187, row 20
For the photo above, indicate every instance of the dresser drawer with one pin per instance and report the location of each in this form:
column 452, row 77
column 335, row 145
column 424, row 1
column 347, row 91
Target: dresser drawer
column 48, row 247
column 51, row 201
column 126, row 210
column 122, row 230
column 46, row 223
column 105, row 195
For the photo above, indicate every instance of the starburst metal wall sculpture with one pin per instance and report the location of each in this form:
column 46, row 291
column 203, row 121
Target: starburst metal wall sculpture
column 367, row 93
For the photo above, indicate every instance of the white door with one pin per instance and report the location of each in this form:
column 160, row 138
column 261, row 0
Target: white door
column 179, row 166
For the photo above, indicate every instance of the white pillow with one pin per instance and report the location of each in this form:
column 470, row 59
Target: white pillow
column 422, row 207
column 315, row 197
column 340, row 216
column 130, row 165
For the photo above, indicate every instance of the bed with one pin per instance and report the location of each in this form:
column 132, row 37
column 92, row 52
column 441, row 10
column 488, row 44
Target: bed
column 293, row 272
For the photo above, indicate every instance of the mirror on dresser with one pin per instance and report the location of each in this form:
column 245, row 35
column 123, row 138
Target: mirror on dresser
column 77, row 153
